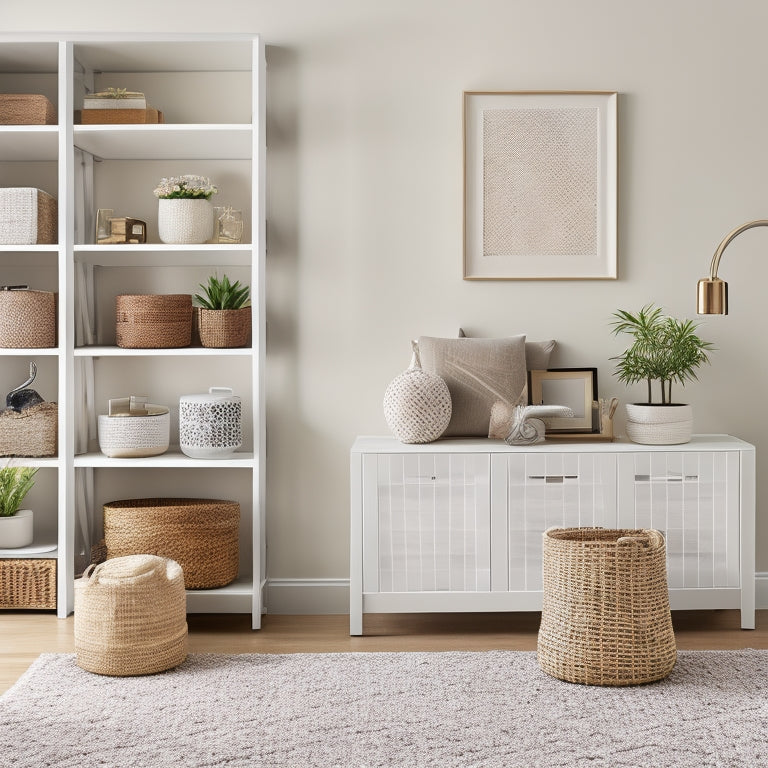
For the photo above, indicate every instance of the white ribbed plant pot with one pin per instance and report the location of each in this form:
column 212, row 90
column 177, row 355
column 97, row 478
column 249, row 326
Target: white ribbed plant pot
column 184, row 220
column 16, row 530
column 659, row 424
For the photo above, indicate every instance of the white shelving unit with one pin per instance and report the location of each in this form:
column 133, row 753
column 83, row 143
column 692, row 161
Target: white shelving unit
column 211, row 89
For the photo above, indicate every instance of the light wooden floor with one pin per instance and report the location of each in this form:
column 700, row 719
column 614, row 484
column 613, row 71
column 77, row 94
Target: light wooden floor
column 24, row 635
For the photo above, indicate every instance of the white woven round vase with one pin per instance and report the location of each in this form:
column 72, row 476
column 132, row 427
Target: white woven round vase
column 185, row 220
column 417, row 406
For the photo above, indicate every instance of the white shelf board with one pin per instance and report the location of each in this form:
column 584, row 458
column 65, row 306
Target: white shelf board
column 152, row 254
column 236, row 597
column 166, row 141
column 173, row 352
column 29, row 142
column 173, row 458
column 34, row 351
column 29, row 461
column 44, row 550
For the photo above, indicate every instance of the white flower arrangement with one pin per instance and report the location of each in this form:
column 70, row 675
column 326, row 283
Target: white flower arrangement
column 185, row 187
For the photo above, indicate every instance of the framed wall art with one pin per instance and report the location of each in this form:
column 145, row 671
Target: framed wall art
column 540, row 185
column 575, row 388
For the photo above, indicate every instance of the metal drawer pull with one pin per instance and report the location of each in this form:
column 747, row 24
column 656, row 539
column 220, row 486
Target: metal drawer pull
column 666, row 478
column 553, row 478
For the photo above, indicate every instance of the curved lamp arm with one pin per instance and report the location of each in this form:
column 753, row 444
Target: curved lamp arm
column 712, row 292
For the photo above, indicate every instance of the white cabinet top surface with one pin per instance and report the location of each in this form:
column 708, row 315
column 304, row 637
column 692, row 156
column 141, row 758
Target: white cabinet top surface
column 366, row 444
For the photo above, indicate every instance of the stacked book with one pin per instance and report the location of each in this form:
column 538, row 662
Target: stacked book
column 118, row 105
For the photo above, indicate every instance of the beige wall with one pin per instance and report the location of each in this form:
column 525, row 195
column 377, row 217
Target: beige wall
column 365, row 205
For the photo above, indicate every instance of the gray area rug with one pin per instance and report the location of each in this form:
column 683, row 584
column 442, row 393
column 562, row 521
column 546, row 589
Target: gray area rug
column 361, row 710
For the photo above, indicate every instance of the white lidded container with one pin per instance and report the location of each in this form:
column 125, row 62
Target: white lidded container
column 134, row 428
column 210, row 425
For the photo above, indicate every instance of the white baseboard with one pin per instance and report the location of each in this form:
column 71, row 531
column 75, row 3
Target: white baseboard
column 307, row 596
column 316, row 596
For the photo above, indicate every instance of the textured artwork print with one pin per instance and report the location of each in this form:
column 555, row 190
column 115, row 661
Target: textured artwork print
column 540, row 181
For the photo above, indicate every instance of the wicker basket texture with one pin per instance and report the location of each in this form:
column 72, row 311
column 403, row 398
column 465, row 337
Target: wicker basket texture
column 153, row 321
column 30, row 433
column 28, row 216
column 26, row 109
column 120, row 116
column 130, row 616
column 223, row 328
column 605, row 616
column 27, row 319
column 28, row 583
column 202, row 535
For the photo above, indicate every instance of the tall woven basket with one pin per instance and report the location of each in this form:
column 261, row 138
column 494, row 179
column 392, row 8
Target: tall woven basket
column 153, row 321
column 130, row 616
column 202, row 535
column 605, row 618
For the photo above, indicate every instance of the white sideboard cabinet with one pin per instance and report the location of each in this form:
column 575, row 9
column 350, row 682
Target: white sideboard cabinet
column 457, row 525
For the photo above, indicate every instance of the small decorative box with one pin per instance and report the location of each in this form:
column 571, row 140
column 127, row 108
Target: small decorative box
column 210, row 426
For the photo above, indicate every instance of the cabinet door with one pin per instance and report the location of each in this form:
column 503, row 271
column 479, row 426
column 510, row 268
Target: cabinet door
column 544, row 490
column 693, row 499
column 429, row 526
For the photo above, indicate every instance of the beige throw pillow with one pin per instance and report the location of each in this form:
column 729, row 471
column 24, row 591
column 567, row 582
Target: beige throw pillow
column 478, row 372
column 537, row 353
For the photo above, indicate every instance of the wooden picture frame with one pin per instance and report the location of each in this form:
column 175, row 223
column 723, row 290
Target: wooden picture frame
column 575, row 388
column 540, row 185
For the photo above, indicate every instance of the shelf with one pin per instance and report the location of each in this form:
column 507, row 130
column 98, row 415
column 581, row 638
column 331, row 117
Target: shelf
column 236, row 597
column 29, row 142
column 166, row 142
column 151, row 254
column 47, row 550
column 174, row 459
column 29, row 461
column 175, row 352
column 33, row 351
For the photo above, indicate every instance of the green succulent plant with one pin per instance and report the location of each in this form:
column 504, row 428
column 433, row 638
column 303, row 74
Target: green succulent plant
column 664, row 349
column 221, row 294
column 15, row 484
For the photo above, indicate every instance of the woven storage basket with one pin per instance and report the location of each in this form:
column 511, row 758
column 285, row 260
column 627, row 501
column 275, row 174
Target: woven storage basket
column 28, row 216
column 153, row 321
column 120, row 116
column 26, row 109
column 605, row 618
column 32, row 432
column 130, row 616
column 134, row 436
column 28, row 583
column 27, row 319
column 202, row 535
column 223, row 328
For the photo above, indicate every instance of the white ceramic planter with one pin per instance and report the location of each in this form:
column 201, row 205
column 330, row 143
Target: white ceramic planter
column 659, row 424
column 16, row 530
column 184, row 220
column 210, row 426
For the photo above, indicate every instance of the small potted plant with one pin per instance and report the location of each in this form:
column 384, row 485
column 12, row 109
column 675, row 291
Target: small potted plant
column 15, row 523
column 223, row 313
column 185, row 213
column 664, row 351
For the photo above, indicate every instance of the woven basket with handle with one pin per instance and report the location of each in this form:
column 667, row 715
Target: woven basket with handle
column 605, row 617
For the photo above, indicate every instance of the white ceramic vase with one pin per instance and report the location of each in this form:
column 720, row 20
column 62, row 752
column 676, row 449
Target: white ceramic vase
column 659, row 424
column 184, row 220
column 16, row 531
column 210, row 425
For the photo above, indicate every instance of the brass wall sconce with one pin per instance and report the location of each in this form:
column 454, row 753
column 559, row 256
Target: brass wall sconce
column 712, row 292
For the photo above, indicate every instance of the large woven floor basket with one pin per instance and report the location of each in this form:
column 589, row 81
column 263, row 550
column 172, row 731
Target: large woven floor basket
column 605, row 616
column 130, row 616
column 202, row 535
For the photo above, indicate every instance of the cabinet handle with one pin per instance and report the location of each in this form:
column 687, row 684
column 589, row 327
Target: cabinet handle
column 666, row 478
column 553, row 478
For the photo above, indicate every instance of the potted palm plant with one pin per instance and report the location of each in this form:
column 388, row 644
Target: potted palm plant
column 223, row 313
column 15, row 523
column 664, row 351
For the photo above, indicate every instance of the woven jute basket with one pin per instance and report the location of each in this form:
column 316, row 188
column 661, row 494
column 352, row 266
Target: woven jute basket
column 223, row 328
column 605, row 618
column 32, row 432
column 153, row 321
column 27, row 319
column 28, row 216
column 130, row 616
column 26, row 109
column 28, row 583
column 202, row 535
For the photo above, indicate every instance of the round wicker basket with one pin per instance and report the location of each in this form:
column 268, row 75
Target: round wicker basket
column 27, row 319
column 153, row 321
column 223, row 328
column 202, row 535
column 605, row 617
column 130, row 616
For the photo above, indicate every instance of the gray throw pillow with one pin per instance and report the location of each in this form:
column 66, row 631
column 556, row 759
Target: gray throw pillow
column 478, row 372
column 537, row 353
